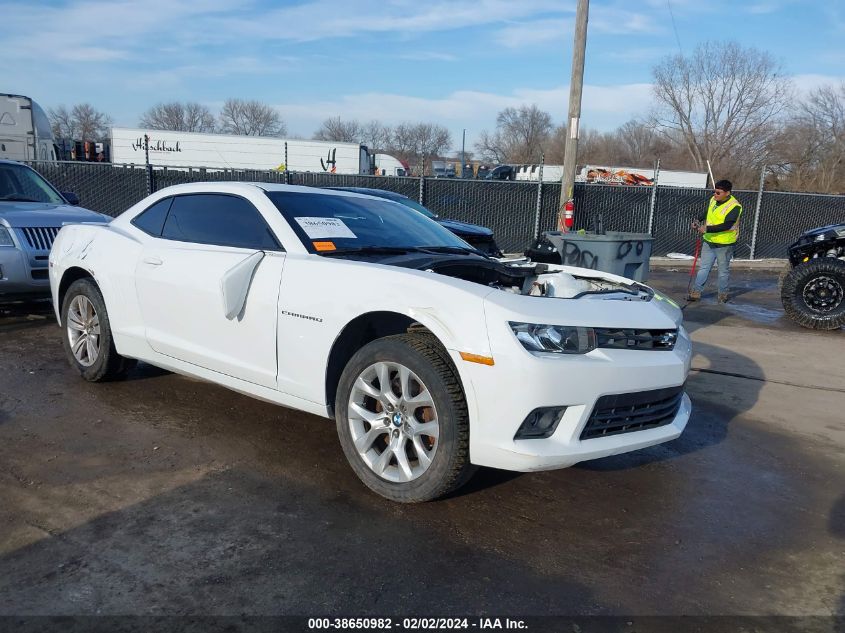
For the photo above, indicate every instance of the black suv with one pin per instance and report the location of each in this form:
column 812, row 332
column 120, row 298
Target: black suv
column 813, row 283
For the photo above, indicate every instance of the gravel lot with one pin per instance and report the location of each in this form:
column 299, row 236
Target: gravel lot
column 165, row 495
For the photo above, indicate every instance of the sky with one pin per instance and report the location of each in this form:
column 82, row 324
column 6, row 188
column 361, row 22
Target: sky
column 456, row 63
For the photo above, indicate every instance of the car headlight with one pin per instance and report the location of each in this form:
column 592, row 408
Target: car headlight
column 5, row 237
column 558, row 339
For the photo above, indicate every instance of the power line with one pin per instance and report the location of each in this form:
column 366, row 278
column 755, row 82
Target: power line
column 675, row 26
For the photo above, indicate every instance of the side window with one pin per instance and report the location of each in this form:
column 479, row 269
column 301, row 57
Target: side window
column 218, row 219
column 152, row 220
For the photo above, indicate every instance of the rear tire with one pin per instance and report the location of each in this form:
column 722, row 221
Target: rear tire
column 402, row 449
column 87, row 337
column 813, row 294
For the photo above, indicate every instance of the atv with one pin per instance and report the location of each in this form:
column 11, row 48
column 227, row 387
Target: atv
column 813, row 283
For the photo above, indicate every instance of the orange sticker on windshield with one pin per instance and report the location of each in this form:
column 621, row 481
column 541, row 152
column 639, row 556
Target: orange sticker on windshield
column 324, row 246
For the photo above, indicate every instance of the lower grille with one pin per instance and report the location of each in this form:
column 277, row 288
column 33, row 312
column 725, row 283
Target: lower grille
column 40, row 273
column 627, row 412
column 40, row 238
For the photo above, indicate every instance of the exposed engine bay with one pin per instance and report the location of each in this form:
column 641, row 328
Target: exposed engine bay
column 538, row 280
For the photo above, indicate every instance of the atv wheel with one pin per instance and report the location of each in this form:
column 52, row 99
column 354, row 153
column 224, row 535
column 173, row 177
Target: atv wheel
column 787, row 268
column 813, row 294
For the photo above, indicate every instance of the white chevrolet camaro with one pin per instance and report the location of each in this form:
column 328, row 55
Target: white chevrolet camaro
column 432, row 357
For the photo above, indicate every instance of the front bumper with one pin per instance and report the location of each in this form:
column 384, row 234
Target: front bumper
column 502, row 395
column 18, row 275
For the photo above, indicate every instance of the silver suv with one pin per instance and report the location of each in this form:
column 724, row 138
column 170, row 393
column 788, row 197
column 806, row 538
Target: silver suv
column 31, row 213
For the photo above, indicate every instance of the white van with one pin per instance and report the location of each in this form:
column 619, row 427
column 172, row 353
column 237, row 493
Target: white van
column 25, row 132
column 551, row 173
column 387, row 165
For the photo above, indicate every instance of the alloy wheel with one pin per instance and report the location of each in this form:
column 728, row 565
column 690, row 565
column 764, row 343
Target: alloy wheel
column 83, row 330
column 823, row 294
column 393, row 421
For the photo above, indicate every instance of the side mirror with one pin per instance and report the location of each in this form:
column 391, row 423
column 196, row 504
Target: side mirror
column 71, row 198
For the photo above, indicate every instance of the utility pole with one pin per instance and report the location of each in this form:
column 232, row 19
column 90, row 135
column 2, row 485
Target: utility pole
column 576, row 86
column 463, row 159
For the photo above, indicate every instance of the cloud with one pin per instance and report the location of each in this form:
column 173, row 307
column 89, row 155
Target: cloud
column 535, row 33
column 604, row 107
column 320, row 20
column 93, row 54
column 119, row 26
column 637, row 55
column 766, row 6
column 618, row 20
column 177, row 76
column 429, row 56
column 806, row 83
column 127, row 28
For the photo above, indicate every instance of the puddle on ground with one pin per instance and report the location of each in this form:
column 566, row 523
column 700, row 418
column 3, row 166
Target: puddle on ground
column 755, row 313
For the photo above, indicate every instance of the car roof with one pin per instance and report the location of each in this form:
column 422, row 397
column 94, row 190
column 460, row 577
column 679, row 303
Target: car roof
column 379, row 193
column 223, row 186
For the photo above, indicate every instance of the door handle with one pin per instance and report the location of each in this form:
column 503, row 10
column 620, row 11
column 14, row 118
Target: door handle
column 153, row 261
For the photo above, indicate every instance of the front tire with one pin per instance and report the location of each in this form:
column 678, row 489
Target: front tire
column 784, row 273
column 402, row 419
column 813, row 294
column 87, row 336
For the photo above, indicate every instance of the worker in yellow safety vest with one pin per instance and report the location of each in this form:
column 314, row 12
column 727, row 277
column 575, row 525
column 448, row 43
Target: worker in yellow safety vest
column 719, row 233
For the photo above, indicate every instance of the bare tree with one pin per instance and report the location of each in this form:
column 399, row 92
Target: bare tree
column 375, row 135
column 82, row 122
column 520, row 137
column 811, row 147
column 600, row 148
column 722, row 102
column 418, row 143
column 251, row 118
column 336, row 129
column 402, row 141
column 491, row 147
column 179, row 117
column 432, row 140
column 61, row 122
column 640, row 143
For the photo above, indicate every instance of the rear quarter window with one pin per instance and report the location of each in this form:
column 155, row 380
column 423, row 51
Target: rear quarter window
column 151, row 221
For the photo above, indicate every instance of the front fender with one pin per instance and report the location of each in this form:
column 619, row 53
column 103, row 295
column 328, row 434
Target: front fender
column 320, row 297
column 109, row 257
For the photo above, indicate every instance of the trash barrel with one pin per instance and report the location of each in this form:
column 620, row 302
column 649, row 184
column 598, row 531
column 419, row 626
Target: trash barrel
column 623, row 254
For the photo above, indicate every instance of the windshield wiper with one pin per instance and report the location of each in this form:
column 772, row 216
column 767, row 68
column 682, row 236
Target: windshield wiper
column 367, row 250
column 16, row 198
column 457, row 250
column 399, row 250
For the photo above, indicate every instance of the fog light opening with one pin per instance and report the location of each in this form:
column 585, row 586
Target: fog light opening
column 540, row 423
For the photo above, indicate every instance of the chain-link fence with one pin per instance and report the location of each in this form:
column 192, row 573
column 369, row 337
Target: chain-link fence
column 516, row 211
column 509, row 208
column 784, row 216
column 109, row 189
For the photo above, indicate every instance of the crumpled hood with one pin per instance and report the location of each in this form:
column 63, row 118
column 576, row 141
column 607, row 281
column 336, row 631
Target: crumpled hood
column 21, row 214
column 464, row 228
column 589, row 310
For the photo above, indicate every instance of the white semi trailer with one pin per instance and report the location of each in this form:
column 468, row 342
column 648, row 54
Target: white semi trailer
column 25, row 132
column 225, row 151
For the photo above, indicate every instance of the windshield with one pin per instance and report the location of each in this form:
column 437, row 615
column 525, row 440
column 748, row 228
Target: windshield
column 416, row 206
column 21, row 184
column 326, row 223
